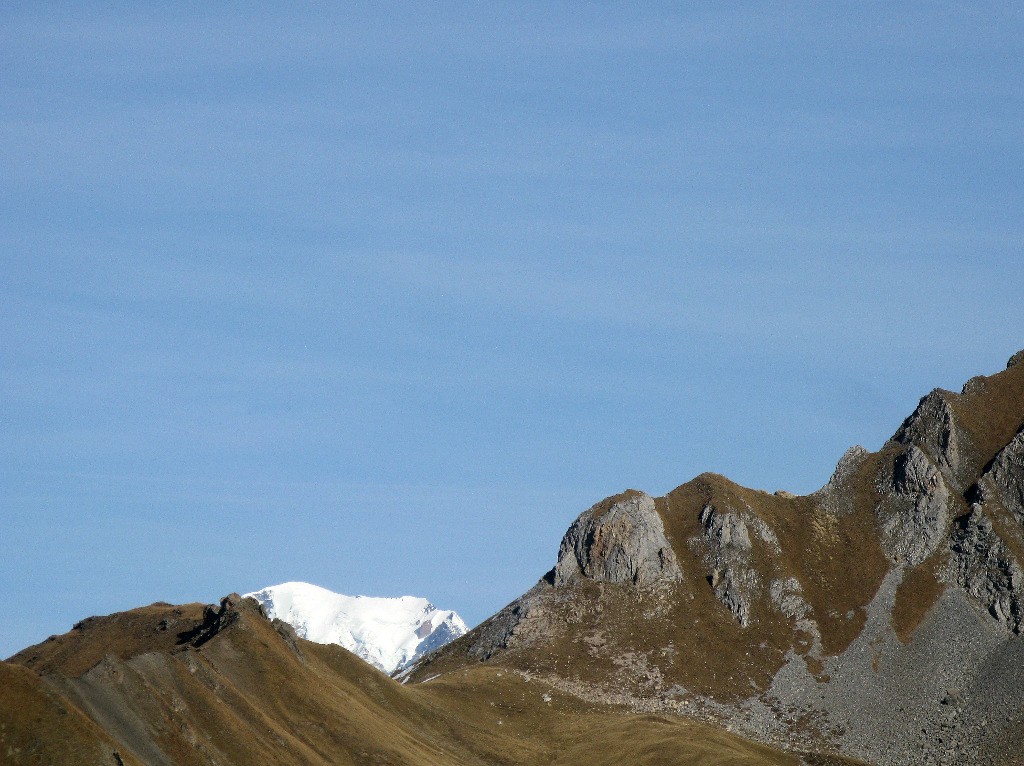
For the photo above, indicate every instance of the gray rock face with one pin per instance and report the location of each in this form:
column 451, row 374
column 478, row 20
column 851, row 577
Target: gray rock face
column 619, row 543
column 933, row 428
column 981, row 564
column 980, row 561
column 787, row 596
column 522, row 621
column 833, row 496
column 725, row 546
column 916, row 520
column 975, row 386
column 1004, row 481
column 896, row 704
column 848, row 463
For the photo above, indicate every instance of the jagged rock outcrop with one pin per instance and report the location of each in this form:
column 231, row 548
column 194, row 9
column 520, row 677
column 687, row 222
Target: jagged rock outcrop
column 1004, row 480
column 217, row 617
column 933, row 428
column 725, row 546
column 981, row 564
column 287, row 632
column 845, row 468
column 787, row 595
column 916, row 521
column 620, row 540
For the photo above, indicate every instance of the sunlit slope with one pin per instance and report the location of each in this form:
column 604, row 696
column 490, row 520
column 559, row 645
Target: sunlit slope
column 805, row 621
column 230, row 686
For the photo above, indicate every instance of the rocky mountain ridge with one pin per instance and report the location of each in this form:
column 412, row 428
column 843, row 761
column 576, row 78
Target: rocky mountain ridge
column 877, row 617
column 876, row 620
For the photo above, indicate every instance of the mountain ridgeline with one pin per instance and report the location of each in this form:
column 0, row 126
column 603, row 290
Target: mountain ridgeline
column 877, row 620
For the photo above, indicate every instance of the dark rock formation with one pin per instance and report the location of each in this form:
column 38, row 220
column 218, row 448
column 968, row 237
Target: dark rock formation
column 216, row 618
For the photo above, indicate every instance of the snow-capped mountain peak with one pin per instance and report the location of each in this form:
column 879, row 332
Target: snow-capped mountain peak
column 389, row 633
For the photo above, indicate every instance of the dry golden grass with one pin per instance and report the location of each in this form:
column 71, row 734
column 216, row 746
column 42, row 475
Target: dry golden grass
column 915, row 597
column 248, row 697
column 37, row 726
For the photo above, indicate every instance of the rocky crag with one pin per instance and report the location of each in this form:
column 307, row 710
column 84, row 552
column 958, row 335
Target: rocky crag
column 878, row 618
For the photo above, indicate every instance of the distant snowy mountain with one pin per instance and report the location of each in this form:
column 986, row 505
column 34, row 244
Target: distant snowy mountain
column 389, row 633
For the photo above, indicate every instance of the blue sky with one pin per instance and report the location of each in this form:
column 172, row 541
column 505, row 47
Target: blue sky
column 382, row 299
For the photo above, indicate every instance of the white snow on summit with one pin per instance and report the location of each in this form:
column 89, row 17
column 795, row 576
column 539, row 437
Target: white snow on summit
column 389, row 633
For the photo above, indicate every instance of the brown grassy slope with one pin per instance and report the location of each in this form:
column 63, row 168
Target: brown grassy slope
column 608, row 740
column 915, row 596
column 835, row 557
column 253, row 694
column 38, row 726
column 645, row 643
column 991, row 411
column 125, row 634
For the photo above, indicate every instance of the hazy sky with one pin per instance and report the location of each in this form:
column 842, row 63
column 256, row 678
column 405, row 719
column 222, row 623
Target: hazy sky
column 382, row 299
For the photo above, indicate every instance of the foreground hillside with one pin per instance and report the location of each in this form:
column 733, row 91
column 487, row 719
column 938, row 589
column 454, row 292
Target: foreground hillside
column 225, row 685
column 879, row 617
